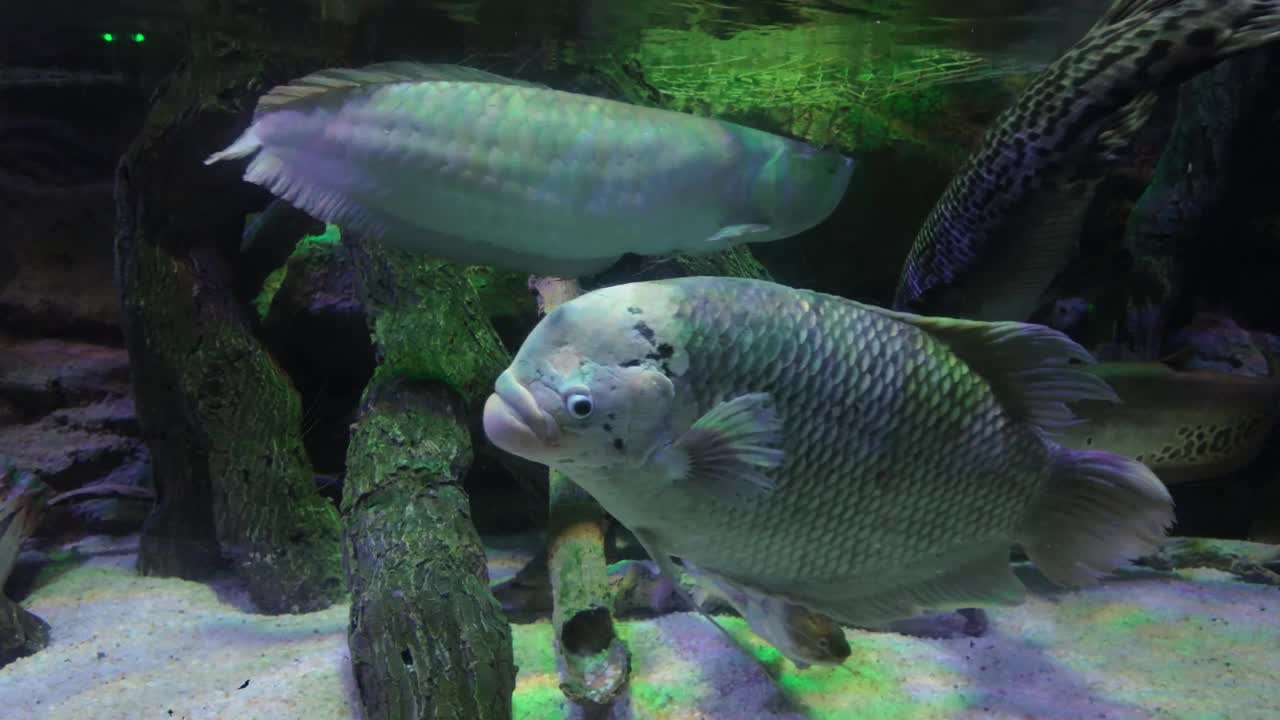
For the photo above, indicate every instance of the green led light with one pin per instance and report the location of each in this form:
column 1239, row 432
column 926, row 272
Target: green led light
column 139, row 37
column 108, row 37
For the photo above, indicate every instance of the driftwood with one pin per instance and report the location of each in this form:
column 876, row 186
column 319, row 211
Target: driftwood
column 22, row 501
column 222, row 421
column 427, row 637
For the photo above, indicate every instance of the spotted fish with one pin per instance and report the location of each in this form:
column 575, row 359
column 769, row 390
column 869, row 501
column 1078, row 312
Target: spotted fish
column 1185, row 426
column 1010, row 219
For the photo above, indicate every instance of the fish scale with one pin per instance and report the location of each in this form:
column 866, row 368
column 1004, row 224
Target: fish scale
column 1010, row 217
column 720, row 372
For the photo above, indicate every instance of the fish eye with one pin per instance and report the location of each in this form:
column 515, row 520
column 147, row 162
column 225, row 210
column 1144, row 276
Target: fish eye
column 579, row 405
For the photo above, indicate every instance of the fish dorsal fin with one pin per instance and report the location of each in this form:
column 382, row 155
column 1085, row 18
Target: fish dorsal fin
column 1027, row 366
column 322, row 82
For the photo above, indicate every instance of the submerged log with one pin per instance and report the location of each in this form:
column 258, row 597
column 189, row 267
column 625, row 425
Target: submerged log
column 428, row 639
column 221, row 420
column 22, row 502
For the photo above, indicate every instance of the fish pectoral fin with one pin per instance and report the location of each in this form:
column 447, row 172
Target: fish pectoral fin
column 733, row 232
column 974, row 577
column 728, row 452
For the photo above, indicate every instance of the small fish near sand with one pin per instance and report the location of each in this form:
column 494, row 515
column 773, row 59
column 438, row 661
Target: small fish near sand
column 1011, row 218
column 805, row 637
column 865, row 464
column 478, row 168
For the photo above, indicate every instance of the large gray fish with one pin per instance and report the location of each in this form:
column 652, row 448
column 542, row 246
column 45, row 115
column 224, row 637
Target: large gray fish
column 478, row 168
column 1011, row 217
column 866, row 464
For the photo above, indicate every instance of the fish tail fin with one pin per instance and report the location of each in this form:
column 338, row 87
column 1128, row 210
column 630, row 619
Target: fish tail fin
column 1099, row 510
column 247, row 144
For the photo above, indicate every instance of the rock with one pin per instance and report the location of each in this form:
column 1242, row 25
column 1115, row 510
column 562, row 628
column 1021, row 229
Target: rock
column 68, row 456
column 1249, row 561
column 40, row 376
column 1217, row 342
column 71, row 424
column 61, row 266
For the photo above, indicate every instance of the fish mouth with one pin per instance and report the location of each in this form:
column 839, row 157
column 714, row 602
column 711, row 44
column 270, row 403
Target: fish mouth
column 514, row 422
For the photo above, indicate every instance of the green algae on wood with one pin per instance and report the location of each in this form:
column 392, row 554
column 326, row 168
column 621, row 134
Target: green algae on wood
column 270, row 286
column 427, row 320
column 428, row 639
column 596, row 663
column 222, row 422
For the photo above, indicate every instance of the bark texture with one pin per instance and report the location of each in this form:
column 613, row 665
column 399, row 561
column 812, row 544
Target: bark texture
column 427, row 637
column 223, row 423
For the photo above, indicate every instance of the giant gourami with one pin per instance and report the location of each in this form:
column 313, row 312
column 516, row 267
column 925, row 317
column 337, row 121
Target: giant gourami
column 863, row 463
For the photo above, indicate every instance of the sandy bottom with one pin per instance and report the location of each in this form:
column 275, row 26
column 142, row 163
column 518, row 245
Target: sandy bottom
column 1195, row 645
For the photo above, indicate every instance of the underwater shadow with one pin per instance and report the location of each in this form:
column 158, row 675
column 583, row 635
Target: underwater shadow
column 743, row 686
column 1010, row 675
